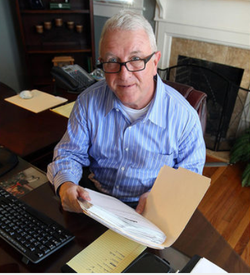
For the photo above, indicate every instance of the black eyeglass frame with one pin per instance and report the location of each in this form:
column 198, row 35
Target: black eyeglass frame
column 145, row 60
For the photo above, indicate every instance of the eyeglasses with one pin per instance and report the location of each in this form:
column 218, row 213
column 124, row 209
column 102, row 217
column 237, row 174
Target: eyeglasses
column 131, row 65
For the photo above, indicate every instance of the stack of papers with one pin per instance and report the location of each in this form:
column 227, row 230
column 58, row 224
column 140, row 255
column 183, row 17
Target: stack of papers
column 121, row 218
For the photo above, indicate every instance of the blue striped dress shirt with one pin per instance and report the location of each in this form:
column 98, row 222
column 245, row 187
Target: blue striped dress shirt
column 126, row 157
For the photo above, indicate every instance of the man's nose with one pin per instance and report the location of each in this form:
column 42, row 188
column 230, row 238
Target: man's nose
column 124, row 72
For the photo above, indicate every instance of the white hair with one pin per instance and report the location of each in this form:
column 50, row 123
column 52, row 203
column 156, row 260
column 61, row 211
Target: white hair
column 130, row 21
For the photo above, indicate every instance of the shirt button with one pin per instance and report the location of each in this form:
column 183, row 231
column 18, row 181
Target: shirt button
column 117, row 187
column 126, row 149
column 117, row 110
column 123, row 168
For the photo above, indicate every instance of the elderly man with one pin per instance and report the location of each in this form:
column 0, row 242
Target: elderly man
column 125, row 128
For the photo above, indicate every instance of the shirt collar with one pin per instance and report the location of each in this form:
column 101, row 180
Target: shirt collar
column 157, row 107
column 111, row 100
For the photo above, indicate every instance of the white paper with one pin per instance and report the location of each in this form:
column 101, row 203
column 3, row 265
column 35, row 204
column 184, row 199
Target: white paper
column 121, row 218
column 205, row 266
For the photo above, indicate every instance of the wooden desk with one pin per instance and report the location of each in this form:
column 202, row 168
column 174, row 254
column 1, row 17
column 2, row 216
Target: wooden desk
column 199, row 237
column 29, row 135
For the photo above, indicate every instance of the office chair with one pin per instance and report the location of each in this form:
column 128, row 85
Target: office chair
column 196, row 98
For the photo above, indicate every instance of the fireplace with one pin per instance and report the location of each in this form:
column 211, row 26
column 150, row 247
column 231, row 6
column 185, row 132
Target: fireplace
column 213, row 79
column 186, row 33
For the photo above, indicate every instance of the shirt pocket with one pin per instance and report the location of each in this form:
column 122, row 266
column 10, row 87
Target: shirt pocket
column 148, row 167
column 154, row 161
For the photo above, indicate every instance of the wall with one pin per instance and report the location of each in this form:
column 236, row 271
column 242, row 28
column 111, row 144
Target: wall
column 12, row 63
column 224, row 22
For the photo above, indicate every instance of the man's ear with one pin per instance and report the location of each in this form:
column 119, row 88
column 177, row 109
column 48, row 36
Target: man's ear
column 156, row 60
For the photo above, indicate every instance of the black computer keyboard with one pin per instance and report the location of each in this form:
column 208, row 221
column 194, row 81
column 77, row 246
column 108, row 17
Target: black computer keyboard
column 32, row 233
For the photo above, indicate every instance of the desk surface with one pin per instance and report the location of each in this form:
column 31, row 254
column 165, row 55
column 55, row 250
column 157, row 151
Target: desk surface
column 199, row 236
column 26, row 133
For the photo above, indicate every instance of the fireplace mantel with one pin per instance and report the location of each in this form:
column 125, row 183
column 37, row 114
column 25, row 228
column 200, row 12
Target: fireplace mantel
column 224, row 22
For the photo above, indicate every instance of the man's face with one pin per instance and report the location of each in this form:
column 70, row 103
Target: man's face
column 134, row 89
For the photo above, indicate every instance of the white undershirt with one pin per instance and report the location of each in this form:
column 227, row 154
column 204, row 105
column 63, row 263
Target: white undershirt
column 134, row 114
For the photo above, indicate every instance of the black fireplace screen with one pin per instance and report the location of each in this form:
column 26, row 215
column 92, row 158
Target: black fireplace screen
column 221, row 84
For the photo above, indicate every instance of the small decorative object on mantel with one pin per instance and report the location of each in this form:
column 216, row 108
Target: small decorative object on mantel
column 59, row 5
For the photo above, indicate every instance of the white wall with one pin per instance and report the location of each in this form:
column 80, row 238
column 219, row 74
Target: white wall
column 225, row 22
column 12, row 65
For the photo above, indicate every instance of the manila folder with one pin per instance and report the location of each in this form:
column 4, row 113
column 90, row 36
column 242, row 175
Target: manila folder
column 173, row 199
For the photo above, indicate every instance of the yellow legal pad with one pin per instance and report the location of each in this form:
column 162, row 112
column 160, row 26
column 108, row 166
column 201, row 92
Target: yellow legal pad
column 110, row 253
column 64, row 110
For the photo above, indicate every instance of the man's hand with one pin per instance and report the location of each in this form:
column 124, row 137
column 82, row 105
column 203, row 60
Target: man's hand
column 142, row 202
column 69, row 193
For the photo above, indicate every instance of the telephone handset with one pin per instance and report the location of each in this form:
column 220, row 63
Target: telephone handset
column 72, row 77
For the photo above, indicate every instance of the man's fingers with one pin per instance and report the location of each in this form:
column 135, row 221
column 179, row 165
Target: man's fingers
column 82, row 193
column 141, row 205
column 142, row 202
column 69, row 194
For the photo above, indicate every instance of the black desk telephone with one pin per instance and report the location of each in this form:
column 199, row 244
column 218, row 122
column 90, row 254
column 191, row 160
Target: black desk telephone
column 72, row 77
